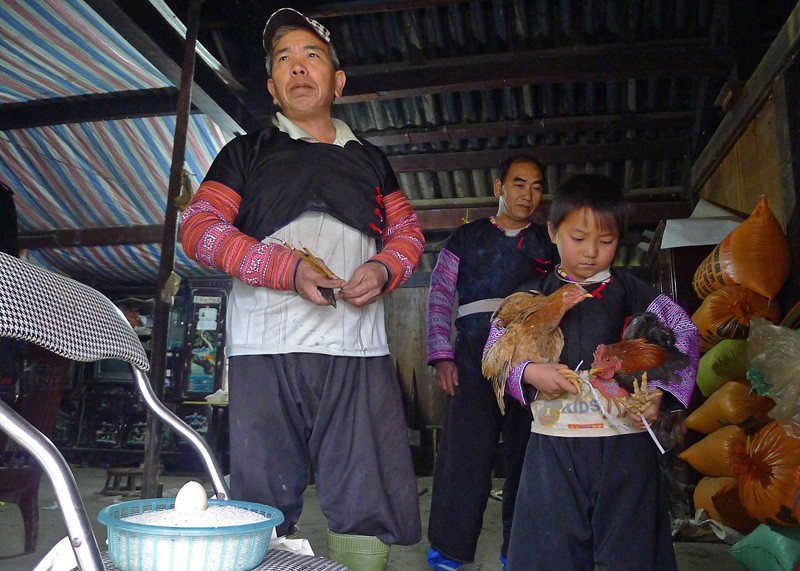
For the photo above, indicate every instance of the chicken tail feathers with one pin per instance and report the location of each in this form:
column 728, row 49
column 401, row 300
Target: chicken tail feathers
column 646, row 325
column 496, row 366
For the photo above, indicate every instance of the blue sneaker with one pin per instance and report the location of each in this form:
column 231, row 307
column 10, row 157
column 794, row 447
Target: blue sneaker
column 439, row 562
column 503, row 560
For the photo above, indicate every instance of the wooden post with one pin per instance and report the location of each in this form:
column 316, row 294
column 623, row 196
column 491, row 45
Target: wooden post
column 163, row 302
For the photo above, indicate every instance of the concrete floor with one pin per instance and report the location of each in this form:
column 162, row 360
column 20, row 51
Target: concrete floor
column 691, row 556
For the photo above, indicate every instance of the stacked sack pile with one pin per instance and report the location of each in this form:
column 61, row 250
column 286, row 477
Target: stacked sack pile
column 749, row 456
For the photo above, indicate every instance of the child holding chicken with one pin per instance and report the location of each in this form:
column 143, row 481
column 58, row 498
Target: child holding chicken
column 591, row 491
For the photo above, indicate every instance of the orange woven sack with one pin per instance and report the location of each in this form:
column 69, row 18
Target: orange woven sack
column 733, row 403
column 726, row 312
column 720, row 498
column 713, row 455
column 766, row 467
column 755, row 255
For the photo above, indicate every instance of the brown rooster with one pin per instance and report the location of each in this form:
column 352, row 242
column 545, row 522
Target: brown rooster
column 646, row 350
column 647, row 346
column 532, row 333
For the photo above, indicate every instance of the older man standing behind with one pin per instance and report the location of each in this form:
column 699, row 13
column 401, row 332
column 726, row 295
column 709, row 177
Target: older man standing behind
column 482, row 262
column 310, row 383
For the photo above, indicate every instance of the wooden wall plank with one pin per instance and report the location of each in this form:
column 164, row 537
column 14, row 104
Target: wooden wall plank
column 768, row 181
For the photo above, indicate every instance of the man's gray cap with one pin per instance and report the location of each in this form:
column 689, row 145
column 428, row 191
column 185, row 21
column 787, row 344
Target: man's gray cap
column 291, row 17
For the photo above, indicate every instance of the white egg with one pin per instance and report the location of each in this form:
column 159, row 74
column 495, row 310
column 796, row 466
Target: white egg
column 191, row 498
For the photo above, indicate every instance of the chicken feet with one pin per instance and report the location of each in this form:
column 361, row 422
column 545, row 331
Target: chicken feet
column 574, row 378
column 640, row 400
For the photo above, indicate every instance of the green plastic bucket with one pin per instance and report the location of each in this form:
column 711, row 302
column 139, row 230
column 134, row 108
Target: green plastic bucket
column 358, row 552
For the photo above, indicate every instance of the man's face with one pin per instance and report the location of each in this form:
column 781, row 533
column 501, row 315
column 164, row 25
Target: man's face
column 520, row 192
column 303, row 80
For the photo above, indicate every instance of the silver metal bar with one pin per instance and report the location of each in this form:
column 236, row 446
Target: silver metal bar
column 79, row 529
column 199, row 443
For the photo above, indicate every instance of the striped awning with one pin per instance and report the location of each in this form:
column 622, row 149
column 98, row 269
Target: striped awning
column 89, row 175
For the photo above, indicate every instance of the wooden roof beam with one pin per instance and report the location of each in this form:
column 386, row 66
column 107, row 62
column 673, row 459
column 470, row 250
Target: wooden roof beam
column 547, row 155
column 643, row 214
column 562, row 65
column 543, row 126
column 89, row 108
column 362, row 7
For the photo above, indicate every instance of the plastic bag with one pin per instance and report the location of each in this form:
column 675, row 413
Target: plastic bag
column 714, row 454
column 726, row 313
column 755, row 255
column 726, row 361
column 767, row 467
column 768, row 549
column 720, row 498
column 773, row 354
column 733, row 403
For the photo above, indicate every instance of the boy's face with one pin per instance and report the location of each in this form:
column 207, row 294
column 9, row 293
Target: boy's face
column 586, row 247
column 520, row 193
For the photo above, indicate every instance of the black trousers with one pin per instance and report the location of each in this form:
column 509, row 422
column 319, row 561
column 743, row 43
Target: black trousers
column 462, row 476
column 343, row 417
column 591, row 503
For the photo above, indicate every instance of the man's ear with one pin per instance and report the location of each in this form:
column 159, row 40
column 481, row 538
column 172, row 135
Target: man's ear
column 498, row 187
column 340, row 78
column 271, row 89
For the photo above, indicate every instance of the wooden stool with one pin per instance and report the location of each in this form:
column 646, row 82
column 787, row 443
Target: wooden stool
column 114, row 479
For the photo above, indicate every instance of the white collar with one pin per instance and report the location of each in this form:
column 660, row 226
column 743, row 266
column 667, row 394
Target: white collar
column 599, row 277
column 343, row 132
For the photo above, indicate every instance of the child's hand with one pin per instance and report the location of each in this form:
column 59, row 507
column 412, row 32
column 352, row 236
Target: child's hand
column 651, row 412
column 547, row 379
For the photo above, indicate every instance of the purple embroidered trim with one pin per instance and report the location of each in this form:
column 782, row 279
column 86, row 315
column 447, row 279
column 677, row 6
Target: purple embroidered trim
column 687, row 340
column 441, row 299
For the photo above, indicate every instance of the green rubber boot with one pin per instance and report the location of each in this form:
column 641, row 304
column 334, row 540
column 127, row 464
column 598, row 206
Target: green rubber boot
column 358, row 552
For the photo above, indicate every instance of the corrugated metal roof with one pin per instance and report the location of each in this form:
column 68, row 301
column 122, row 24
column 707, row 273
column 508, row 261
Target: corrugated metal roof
column 443, row 135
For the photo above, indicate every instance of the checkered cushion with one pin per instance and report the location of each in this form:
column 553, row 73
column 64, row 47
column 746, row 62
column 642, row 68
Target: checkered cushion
column 64, row 316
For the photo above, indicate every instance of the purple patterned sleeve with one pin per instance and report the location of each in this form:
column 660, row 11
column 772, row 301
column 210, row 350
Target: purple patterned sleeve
column 441, row 300
column 514, row 381
column 687, row 340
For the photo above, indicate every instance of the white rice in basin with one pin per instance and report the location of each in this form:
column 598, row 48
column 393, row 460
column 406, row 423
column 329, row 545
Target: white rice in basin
column 217, row 551
column 213, row 516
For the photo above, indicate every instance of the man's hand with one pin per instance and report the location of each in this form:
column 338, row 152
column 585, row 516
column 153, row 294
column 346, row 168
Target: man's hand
column 366, row 285
column 547, row 379
column 307, row 280
column 447, row 376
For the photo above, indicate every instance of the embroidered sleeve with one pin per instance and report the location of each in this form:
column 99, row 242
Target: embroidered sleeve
column 513, row 387
column 402, row 240
column 441, row 300
column 687, row 340
column 209, row 237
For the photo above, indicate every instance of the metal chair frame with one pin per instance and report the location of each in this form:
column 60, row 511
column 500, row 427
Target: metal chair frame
column 78, row 322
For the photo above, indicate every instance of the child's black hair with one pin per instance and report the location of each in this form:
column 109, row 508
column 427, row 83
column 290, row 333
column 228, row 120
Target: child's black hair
column 594, row 191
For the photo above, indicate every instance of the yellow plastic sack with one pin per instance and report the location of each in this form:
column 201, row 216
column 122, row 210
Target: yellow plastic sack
column 755, row 255
column 725, row 361
column 733, row 403
column 720, row 498
column 767, row 468
column 726, row 313
column 713, row 455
